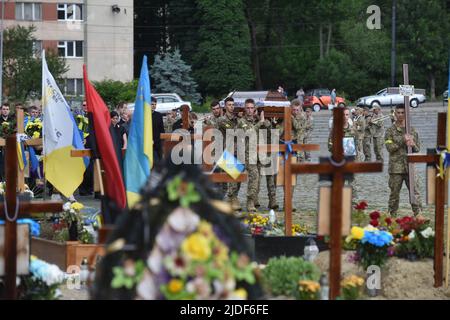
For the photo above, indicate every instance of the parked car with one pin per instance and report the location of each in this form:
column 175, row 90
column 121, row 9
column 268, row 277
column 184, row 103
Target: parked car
column 261, row 98
column 320, row 99
column 445, row 96
column 166, row 102
column 383, row 98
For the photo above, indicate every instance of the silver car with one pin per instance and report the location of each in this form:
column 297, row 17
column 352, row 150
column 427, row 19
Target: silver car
column 383, row 98
column 166, row 102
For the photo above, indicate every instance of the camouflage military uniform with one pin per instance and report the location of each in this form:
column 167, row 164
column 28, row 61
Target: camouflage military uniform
column 349, row 132
column 168, row 123
column 307, row 138
column 398, row 166
column 224, row 123
column 378, row 136
column 360, row 128
column 367, row 140
column 251, row 123
column 212, row 121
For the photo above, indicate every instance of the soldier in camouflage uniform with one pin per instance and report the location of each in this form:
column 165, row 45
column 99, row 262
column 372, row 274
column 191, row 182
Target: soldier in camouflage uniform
column 229, row 122
column 377, row 132
column 170, row 119
column 213, row 118
column 349, row 132
column 251, row 123
column 367, row 145
column 397, row 142
column 360, row 127
column 308, row 129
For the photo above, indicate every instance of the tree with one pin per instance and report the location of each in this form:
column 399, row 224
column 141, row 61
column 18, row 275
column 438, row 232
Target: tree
column 222, row 62
column 113, row 92
column 171, row 74
column 22, row 67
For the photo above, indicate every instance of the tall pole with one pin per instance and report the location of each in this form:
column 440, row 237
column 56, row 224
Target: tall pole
column 393, row 48
column 1, row 52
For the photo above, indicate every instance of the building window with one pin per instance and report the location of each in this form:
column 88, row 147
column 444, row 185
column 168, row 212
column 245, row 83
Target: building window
column 37, row 48
column 73, row 87
column 68, row 11
column 70, row 49
column 28, row 11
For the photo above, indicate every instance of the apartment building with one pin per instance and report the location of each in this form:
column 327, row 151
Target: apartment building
column 97, row 33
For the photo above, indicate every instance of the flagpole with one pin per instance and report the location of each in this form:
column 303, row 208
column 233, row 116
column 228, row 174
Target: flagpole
column 43, row 128
column 447, row 252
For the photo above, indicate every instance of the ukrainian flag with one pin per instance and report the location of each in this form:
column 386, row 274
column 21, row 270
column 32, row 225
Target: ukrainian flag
column 60, row 135
column 139, row 155
column 21, row 157
column 230, row 165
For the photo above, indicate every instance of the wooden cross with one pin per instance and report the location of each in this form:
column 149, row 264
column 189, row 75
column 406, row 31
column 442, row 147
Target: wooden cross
column 285, row 113
column 11, row 209
column 337, row 167
column 439, row 198
column 412, row 197
column 31, row 142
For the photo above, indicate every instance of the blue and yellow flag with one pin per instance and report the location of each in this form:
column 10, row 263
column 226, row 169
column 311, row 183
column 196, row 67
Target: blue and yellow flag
column 139, row 155
column 230, row 165
column 448, row 106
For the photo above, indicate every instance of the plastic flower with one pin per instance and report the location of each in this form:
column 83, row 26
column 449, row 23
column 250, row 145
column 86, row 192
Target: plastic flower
column 67, row 206
column 374, row 215
column 357, row 233
column 374, row 222
column 377, row 238
column 196, row 247
column 412, row 235
column 50, row 274
column 361, row 206
column 388, row 221
column 428, row 232
column 175, row 285
column 76, row 206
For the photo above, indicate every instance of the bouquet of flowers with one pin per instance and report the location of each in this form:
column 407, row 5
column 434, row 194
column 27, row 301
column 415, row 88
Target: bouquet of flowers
column 189, row 261
column 33, row 129
column 257, row 224
column 308, row 290
column 373, row 245
column 415, row 238
column 351, row 287
column 26, row 191
column 7, row 129
column 43, row 281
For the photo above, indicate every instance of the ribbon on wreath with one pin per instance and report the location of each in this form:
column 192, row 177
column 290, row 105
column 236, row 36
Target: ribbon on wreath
column 289, row 148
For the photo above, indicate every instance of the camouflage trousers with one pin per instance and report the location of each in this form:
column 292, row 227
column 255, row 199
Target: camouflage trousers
column 271, row 187
column 367, row 148
column 359, row 149
column 378, row 143
column 395, row 184
column 306, row 140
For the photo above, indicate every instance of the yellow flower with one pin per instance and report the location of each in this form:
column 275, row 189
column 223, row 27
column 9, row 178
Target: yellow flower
column 205, row 228
column 196, row 247
column 309, row 285
column 352, row 281
column 357, row 233
column 36, row 134
column 175, row 285
column 76, row 206
column 240, row 294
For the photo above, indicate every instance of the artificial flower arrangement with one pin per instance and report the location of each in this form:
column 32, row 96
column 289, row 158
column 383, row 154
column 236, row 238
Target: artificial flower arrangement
column 351, row 287
column 33, row 129
column 308, row 290
column 373, row 245
column 71, row 225
column 43, row 281
column 178, row 242
column 258, row 224
column 415, row 238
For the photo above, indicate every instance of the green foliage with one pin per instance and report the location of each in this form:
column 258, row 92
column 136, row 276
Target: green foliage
column 222, row 61
column 205, row 107
column 185, row 192
column 281, row 275
column 129, row 275
column 171, row 74
column 113, row 92
column 22, row 70
column 419, row 246
column 36, row 289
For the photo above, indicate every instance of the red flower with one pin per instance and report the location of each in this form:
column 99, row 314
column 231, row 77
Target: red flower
column 388, row 221
column 374, row 215
column 258, row 230
column 361, row 206
column 374, row 223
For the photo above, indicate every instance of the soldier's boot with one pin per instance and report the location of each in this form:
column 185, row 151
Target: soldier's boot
column 251, row 206
column 273, row 204
column 235, row 205
column 257, row 205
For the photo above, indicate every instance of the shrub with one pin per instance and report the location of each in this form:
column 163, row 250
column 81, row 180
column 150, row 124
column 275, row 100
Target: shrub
column 281, row 275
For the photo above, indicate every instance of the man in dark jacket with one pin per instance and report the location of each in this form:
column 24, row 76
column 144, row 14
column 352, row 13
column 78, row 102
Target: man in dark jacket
column 158, row 128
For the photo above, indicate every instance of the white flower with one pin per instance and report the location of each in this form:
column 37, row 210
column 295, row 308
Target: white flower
column 72, row 211
column 183, row 220
column 66, row 206
column 146, row 289
column 412, row 235
column 428, row 232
